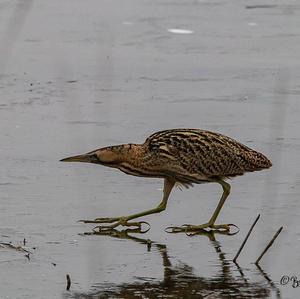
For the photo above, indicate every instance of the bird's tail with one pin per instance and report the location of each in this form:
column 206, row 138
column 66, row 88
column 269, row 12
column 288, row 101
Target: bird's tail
column 258, row 161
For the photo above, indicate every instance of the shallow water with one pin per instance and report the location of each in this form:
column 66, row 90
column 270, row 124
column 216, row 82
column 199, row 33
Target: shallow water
column 77, row 75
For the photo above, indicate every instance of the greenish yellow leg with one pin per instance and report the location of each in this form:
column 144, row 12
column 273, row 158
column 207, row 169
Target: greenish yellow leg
column 211, row 223
column 124, row 220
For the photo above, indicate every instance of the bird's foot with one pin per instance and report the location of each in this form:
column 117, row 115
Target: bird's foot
column 191, row 230
column 115, row 222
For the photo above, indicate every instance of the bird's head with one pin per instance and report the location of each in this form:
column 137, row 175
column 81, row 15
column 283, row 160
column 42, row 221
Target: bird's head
column 108, row 156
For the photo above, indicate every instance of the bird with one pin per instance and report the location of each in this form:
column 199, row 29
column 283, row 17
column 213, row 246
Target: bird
column 182, row 157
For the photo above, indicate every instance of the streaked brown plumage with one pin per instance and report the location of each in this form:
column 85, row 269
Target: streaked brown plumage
column 184, row 156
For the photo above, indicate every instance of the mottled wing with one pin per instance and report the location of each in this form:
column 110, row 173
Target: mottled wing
column 197, row 155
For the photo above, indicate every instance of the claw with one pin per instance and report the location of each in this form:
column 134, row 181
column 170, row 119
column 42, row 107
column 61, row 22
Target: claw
column 233, row 233
column 140, row 227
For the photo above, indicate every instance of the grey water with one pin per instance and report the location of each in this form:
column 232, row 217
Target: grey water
column 78, row 75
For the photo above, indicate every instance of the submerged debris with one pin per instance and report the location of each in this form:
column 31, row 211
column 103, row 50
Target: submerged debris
column 68, row 282
column 16, row 247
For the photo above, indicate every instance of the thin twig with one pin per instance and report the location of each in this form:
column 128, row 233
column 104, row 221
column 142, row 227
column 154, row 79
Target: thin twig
column 269, row 245
column 244, row 242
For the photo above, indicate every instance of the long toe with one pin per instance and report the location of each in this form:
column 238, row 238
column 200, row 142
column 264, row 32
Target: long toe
column 101, row 220
column 107, row 219
column 186, row 228
column 206, row 227
column 137, row 227
column 225, row 228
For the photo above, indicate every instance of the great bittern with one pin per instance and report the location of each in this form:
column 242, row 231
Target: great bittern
column 179, row 156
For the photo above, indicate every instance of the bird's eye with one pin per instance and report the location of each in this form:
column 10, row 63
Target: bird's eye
column 94, row 158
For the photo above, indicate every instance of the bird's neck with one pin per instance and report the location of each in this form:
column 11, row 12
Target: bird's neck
column 131, row 159
column 133, row 154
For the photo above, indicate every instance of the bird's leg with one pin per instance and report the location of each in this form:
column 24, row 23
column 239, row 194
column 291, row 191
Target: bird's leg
column 124, row 220
column 210, row 225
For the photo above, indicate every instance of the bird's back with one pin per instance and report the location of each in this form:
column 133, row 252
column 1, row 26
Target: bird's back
column 193, row 155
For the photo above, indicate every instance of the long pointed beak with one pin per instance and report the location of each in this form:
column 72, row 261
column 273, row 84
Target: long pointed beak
column 80, row 158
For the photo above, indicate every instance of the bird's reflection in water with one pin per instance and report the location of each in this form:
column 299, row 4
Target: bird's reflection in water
column 180, row 281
